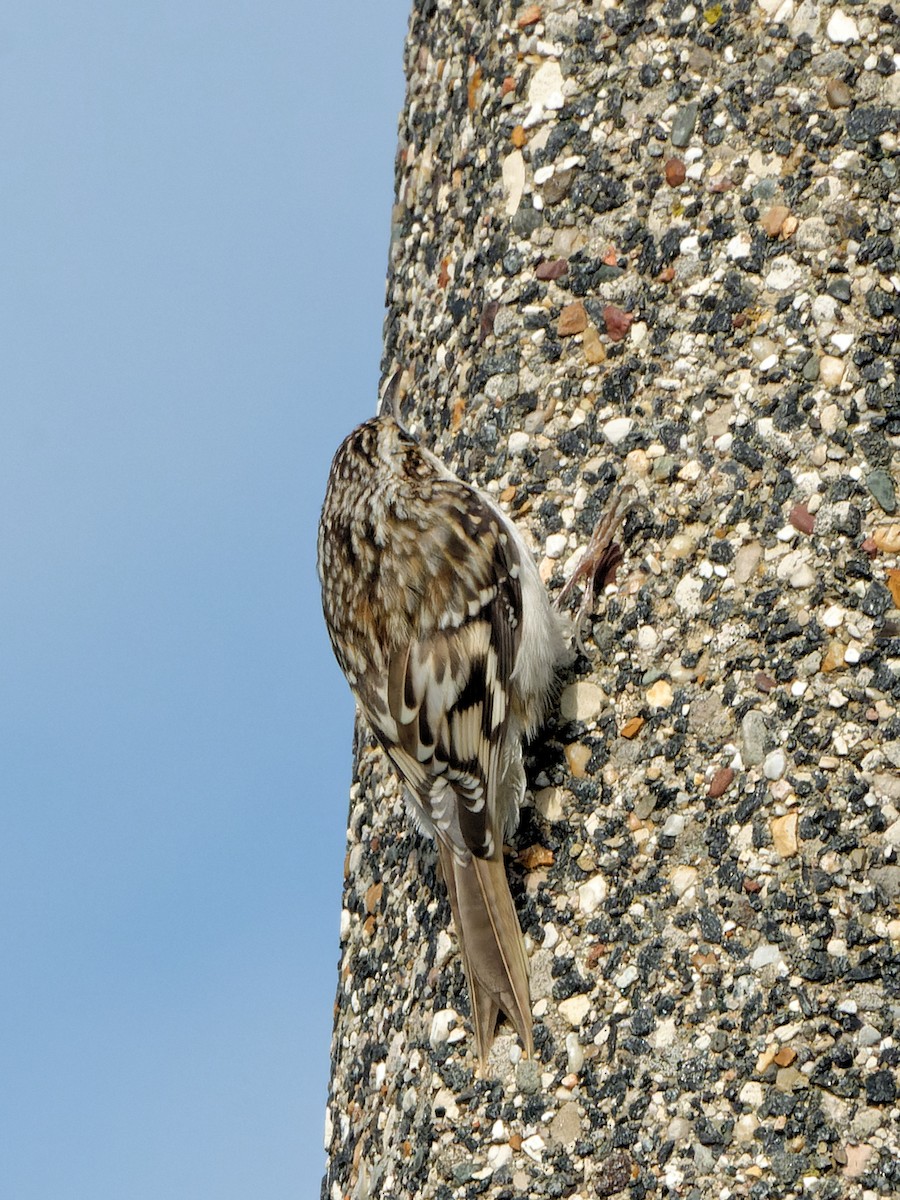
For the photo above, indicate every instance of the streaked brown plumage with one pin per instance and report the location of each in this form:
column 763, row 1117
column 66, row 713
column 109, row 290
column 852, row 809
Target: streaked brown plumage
column 441, row 624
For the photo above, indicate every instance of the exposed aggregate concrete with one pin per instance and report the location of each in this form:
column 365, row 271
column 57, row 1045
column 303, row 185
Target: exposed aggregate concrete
column 658, row 244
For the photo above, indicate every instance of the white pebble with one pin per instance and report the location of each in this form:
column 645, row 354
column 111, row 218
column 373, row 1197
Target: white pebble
column 687, row 595
column 841, row 29
column 831, row 370
column 535, row 1145
column 784, row 274
column 683, row 879
column 546, row 84
column 647, row 638
column 518, row 442
column 739, row 246
column 591, row 894
column 774, row 764
column 803, row 577
column 574, row 1053
column 765, row 955
column 575, row 1008
column 441, row 1024
column 555, row 545
column 626, row 978
column 842, row 342
column 617, row 429
column 832, row 616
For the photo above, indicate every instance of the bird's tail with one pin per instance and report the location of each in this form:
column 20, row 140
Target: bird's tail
column 492, row 947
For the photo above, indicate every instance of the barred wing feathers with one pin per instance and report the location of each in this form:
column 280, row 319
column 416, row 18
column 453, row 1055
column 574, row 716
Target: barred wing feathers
column 441, row 709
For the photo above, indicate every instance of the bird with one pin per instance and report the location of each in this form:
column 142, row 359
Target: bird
column 452, row 648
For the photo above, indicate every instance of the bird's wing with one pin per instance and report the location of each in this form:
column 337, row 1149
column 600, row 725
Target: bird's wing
column 440, row 705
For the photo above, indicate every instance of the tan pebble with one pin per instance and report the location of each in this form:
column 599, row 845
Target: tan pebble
column 575, row 1009
column 582, row 701
column 832, row 417
column 773, row 219
column 535, row 856
column 637, row 463
column 837, row 93
column 831, row 371
column 594, row 350
column 632, row 727
column 684, row 878
column 834, row 657
column 784, row 834
column 857, row 1160
column 765, row 1060
column 789, row 1078
column 373, row 896
column 887, row 538
column 660, row 695
column 565, row 1128
column 785, row 1056
column 518, row 137
column 718, row 422
column 548, row 802
column 578, row 757
column 572, row 319
column 746, row 561
column 745, row 1127
column 682, row 545
column 789, row 228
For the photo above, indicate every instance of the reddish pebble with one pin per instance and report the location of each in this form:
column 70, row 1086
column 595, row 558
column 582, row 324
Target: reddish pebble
column 488, row 313
column 618, row 322
column 675, row 172
column 529, row 16
column 801, row 518
column 764, row 682
column 551, row 268
column 751, row 885
column 720, row 782
column 870, row 547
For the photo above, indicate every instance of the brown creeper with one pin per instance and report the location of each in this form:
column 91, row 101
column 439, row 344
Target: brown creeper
column 440, row 622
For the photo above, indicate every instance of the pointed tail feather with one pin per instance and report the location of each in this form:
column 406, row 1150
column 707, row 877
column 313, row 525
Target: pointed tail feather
column 491, row 944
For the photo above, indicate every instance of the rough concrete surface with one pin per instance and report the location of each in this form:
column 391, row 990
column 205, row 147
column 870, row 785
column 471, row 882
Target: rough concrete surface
column 658, row 244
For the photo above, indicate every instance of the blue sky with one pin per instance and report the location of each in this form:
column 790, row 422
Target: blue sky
column 195, row 203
